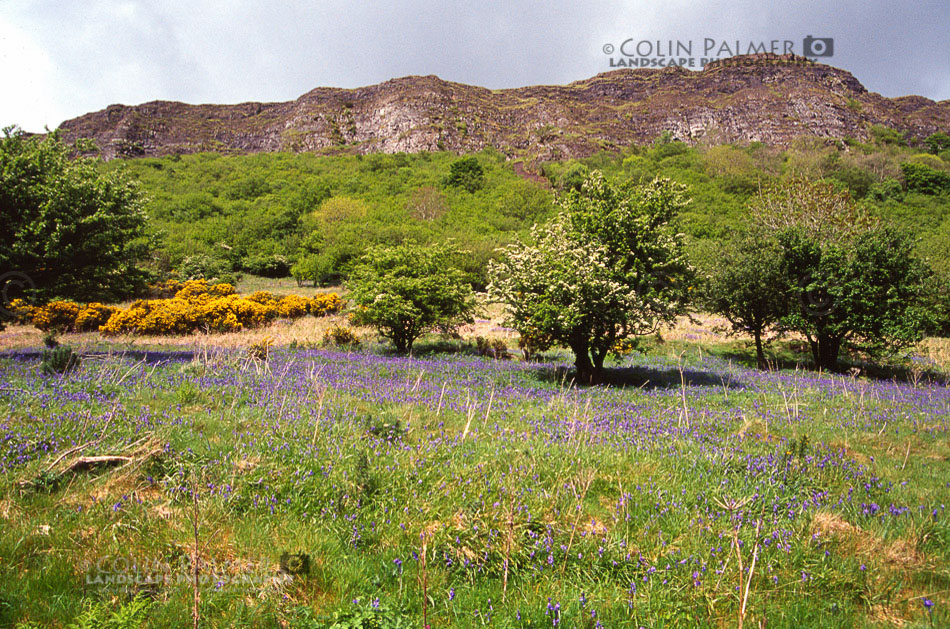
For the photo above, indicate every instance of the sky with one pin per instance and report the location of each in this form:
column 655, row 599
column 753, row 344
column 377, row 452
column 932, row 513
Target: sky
column 61, row 59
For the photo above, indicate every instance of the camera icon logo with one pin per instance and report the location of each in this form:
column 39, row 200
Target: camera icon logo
column 296, row 563
column 818, row 46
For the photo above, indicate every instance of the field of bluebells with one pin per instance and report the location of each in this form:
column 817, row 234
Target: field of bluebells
column 359, row 489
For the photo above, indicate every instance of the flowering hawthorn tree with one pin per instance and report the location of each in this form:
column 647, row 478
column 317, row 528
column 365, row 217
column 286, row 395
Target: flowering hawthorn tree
column 609, row 266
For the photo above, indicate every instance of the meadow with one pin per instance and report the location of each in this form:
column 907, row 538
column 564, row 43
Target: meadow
column 321, row 488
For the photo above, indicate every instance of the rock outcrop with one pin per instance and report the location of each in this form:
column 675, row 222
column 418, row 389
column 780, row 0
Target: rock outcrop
column 763, row 98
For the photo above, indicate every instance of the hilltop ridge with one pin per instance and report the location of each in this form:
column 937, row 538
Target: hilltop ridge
column 766, row 98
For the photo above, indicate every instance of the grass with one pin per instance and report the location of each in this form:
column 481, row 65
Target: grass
column 351, row 488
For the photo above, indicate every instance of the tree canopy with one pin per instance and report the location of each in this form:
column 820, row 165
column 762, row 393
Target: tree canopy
column 70, row 230
column 848, row 279
column 410, row 289
column 609, row 266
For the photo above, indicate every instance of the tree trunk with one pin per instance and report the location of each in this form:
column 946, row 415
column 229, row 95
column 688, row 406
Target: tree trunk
column 585, row 369
column 598, row 357
column 814, row 351
column 828, row 348
column 759, row 354
column 403, row 343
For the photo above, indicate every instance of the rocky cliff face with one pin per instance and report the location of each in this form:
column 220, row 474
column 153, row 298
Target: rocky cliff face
column 766, row 98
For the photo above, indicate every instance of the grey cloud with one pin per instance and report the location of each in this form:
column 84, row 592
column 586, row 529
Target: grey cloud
column 131, row 51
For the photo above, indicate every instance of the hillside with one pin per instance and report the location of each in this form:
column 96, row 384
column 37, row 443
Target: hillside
column 756, row 98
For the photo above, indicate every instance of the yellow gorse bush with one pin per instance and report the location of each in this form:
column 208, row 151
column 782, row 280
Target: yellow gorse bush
column 263, row 297
column 22, row 311
column 153, row 316
column 196, row 305
column 93, row 315
column 293, row 306
column 326, row 304
column 233, row 313
column 56, row 315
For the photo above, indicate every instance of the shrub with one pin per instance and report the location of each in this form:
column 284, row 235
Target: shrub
column 56, row 315
column 886, row 190
column 164, row 290
column 22, row 312
column 204, row 266
column 263, row 297
column 197, row 305
column 92, row 316
column 153, row 317
column 924, row 179
column 261, row 350
column 325, row 304
column 341, row 336
column 408, row 290
column 59, row 360
column 195, row 291
column 221, row 290
column 496, row 348
column 234, row 313
column 466, row 173
column 293, row 306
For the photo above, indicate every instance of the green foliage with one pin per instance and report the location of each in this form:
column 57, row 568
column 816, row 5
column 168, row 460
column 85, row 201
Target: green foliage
column 59, row 360
column 609, row 266
column 467, row 174
column 408, row 290
column 217, row 205
column 937, row 142
column 848, row 280
column 923, row 179
column 371, row 617
column 333, row 240
column 99, row 615
column 748, row 288
column 886, row 136
column 574, row 177
column 204, row 267
column 71, row 230
column 887, row 190
column 272, row 265
column 404, row 196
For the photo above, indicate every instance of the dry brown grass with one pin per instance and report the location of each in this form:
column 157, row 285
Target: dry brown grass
column 698, row 328
column 937, row 350
column 899, row 554
column 887, row 616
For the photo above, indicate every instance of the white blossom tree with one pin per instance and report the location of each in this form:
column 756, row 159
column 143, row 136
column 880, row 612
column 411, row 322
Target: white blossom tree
column 609, row 266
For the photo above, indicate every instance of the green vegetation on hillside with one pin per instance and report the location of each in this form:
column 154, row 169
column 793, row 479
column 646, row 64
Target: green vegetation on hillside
column 263, row 213
column 276, row 213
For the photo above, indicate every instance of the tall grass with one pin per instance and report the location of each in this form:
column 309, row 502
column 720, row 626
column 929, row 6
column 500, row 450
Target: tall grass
column 357, row 488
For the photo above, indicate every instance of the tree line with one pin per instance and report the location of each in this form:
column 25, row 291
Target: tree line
column 608, row 261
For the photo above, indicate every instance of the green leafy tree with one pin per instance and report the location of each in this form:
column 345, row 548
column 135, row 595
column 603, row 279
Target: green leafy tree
column 335, row 237
column 924, row 179
column 408, row 290
column 608, row 267
column 937, row 142
column 748, row 289
column 466, row 173
column 850, row 281
column 69, row 230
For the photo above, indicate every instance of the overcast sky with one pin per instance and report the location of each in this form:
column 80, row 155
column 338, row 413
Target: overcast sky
column 63, row 58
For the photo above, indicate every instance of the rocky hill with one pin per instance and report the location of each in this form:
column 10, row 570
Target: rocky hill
column 767, row 98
